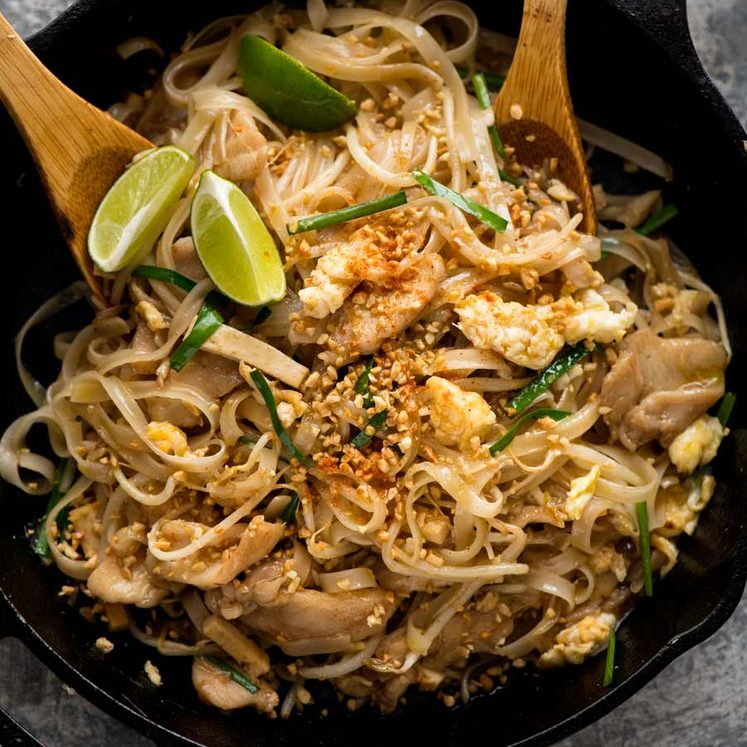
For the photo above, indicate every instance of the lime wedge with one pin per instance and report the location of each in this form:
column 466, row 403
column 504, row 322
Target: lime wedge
column 137, row 208
column 236, row 249
column 288, row 91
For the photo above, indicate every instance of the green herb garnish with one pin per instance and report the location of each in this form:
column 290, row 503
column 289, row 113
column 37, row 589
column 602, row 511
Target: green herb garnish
column 561, row 365
column 483, row 98
column 725, row 408
column 207, row 322
column 494, row 81
column 264, row 389
column 40, row 544
column 235, row 674
column 641, row 510
column 609, row 665
column 375, row 421
column 343, row 215
column 488, row 217
column 511, row 433
column 362, row 385
column 658, row 219
column 289, row 512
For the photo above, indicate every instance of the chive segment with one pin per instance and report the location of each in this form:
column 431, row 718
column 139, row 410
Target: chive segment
column 494, row 81
column 207, row 322
column 264, row 389
column 488, row 217
column 235, row 674
column 609, row 664
column 375, row 422
column 512, row 432
column 658, row 219
column 151, row 272
column 40, row 544
column 725, row 408
column 641, row 510
column 289, row 511
column 483, row 98
column 362, row 385
column 561, row 365
column 343, row 215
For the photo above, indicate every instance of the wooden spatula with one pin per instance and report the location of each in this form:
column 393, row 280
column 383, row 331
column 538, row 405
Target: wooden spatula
column 78, row 149
column 533, row 111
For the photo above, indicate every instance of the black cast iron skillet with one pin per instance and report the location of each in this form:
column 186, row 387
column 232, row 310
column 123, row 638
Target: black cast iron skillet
column 633, row 70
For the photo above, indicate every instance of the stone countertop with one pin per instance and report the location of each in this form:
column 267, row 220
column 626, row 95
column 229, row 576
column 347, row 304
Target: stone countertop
column 701, row 699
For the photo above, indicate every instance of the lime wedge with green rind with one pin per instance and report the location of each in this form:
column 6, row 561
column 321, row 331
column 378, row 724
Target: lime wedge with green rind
column 289, row 92
column 137, row 208
column 233, row 243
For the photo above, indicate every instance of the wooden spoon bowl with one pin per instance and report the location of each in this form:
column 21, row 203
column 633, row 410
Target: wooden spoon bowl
column 533, row 110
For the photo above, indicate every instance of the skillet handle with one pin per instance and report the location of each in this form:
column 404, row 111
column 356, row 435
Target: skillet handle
column 665, row 21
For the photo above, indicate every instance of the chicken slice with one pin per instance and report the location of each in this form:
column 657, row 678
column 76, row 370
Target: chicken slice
column 380, row 312
column 659, row 386
column 239, row 547
column 245, row 152
column 216, row 688
column 306, row 616
column 115, row 581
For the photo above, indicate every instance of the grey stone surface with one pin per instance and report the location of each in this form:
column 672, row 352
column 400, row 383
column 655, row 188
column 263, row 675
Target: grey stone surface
column 699, row 700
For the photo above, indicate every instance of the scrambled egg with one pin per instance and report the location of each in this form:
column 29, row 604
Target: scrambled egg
column 573, row 644
column 152, row 316
column 596, row 321
column 606, row 559
column 580, row 493
column 696, row 445
column 455, row 415
column 167, row 437
column 521, row 334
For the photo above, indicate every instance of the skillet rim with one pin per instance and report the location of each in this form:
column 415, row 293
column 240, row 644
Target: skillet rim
column 674, row 40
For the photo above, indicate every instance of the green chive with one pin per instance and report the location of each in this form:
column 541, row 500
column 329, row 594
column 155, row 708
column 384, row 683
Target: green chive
column 511, row 433
column 641, row 510
column 362, row 385
column 235, row 674
column 262, row 315
column 247, row 441
column 207, row 322
column 609, row 665
column 494, row 81
column 176, row 278
column 483, row 98
column 726, row 407
column 375, row 421
column 562, row 364
column 488, row 217
column 289, row 512
column 264, row 389
column 508, row 178
column 315, row 222
column 40, row 544
column 658, row 219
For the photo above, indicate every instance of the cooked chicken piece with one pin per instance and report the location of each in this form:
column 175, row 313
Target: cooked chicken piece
column 307, row 615
column 372, row 253
column 245, row 152
column 144, row 341
column 630, row 211
column 212, row 375
column 658, row 386
column 238, row 548
column 116, row 580
column 390, row 689
column 455, row 415
column 377, row 313
column 216, row 688
column 186, row 260
column 521, row 334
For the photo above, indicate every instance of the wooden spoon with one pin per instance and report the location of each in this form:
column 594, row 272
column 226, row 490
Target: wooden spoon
column 533, row 111
column 78, row 149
